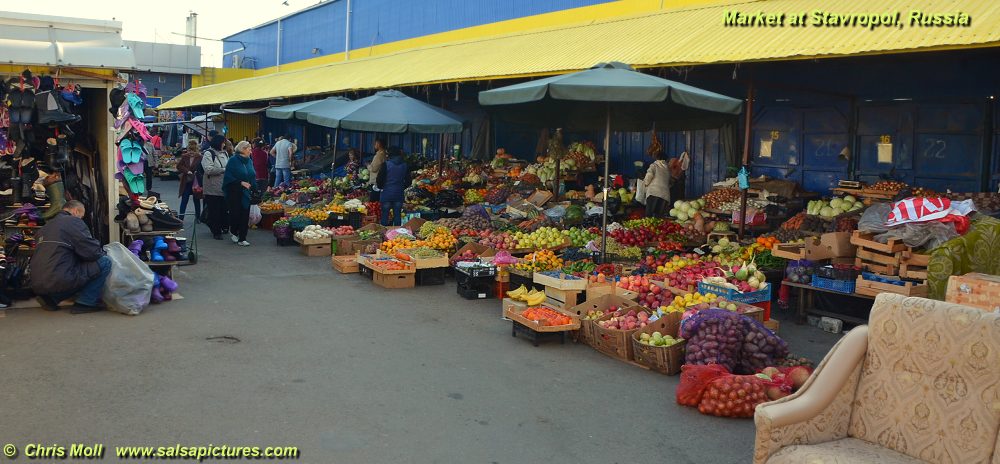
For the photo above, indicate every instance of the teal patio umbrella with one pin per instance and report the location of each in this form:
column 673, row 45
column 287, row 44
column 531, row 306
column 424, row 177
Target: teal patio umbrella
column 612, row 96
column 389, row 111
column 288, row 111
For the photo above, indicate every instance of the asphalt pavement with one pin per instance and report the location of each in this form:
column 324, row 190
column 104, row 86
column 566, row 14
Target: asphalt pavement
column 272, row 348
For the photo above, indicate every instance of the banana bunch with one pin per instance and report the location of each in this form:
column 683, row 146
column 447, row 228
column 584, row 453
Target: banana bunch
column 531, row 297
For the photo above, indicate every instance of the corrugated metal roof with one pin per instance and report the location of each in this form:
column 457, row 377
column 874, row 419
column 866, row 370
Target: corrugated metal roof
column 688, row 36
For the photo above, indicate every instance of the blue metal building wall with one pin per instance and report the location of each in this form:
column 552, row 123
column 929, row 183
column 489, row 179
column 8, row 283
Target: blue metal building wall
column 172, row 86
column 375, row 22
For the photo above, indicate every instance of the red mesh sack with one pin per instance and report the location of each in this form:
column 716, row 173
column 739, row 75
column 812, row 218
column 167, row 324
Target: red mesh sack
column 732, row 396
column 694, row 379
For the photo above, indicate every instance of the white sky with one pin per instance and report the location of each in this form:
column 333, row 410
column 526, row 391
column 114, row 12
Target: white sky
column 157, row 21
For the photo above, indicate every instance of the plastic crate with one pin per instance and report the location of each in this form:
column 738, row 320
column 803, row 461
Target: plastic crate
column 285, row 241
column 475, row 292
column 733, row 295
column 430, row 276
column 355, row 219
column 842, row 286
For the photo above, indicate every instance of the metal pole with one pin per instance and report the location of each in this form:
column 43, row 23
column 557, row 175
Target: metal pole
column 347, row 32
column 746, row 156
column 336, row 142
column 607, row 163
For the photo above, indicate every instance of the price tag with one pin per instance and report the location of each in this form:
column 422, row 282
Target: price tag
column 517, row 182
column 699, row 251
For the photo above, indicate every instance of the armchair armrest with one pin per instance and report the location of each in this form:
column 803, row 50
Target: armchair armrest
column 821, row 410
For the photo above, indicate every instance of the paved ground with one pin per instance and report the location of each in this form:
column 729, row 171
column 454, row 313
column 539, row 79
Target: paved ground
column 347, row 372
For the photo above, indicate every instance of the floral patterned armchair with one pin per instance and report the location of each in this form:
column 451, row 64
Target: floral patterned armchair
column 920, row 384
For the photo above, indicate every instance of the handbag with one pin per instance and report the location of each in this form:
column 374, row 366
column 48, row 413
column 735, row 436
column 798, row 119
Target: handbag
column 196, row 189
column 256, row 196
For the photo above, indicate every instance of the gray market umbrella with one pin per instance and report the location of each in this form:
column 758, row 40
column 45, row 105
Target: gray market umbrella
column 288, row 111
column 612, row 96
column 389, row 111
column 322, row 107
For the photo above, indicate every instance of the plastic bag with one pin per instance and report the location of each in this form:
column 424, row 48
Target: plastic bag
column 732, row 396
column 927, row 235
column 400, row 232
column 555, row 213
column 917, row 210
column 694, row 379
column 761, row 347
column 873, row 219
column 130, row 284
column 715, row 336
column 254, row 215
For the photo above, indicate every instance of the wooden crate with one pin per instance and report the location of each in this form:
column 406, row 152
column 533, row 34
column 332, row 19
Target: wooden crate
column 773, row 325
column 914, row 265
column 562, row 299
column 514, row 314
column 793, row 252
column 867, row 241
column 873, row 288
column 664, row 359
column 346, row 264
column 562, row 282
column 595, row 289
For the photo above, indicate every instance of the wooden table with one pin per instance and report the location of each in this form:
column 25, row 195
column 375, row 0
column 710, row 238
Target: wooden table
column 807, row 291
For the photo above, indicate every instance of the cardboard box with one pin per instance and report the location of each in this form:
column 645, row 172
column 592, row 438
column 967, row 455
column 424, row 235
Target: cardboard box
column 830, row 245
column 414, row 224
column 975, row 289
column 772, row 325
column 344, row 244
column 316, row 250
column 428, row 263
column 384, row 280
column 481, row 251
column 311, row 241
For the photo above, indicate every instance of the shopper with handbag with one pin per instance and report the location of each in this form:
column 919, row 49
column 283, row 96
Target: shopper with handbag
column 657, row 183
column 238, row 185
column 213, row 163
column 187, row 168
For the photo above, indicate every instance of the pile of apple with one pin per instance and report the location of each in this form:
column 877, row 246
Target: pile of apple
column 499, row 241
column 597, row 314
column 642, row 234
column 658, row 339
column 650, row 294
column 342, row 230
column 630, row 320
column 598, row 278
column 691, row 273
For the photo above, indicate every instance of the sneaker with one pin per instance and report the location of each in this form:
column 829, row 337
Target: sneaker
column 80, row 308
column 243, row 243
column 234, row 238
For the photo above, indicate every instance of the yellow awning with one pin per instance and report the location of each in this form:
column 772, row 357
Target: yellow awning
column 681, row 37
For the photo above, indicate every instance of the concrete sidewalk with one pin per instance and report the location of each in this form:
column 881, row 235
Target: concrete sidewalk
column 346, row 371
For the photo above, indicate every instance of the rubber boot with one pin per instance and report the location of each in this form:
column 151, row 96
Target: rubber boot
column 156, row 296
column 168, row 284
column 172, row 245
column 57, row 199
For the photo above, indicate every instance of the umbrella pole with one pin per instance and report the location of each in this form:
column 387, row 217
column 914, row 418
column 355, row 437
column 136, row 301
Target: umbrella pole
column 607, row 159
column 746, row 157
column 336, row 141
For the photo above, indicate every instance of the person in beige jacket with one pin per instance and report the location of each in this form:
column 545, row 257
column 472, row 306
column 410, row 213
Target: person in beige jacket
column 657, row 183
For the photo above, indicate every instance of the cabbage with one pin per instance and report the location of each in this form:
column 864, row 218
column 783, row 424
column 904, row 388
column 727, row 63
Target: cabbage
column 836, row 202
column 682, row 216
column 827, row 212
column 850, row 198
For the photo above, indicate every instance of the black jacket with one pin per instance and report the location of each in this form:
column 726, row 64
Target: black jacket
column 66, row 257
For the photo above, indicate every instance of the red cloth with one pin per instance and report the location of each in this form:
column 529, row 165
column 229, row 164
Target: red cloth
column 259, row 156
column 157, row 142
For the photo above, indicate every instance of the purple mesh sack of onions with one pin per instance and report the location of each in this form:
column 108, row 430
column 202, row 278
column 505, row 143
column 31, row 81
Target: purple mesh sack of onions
column 714, row 336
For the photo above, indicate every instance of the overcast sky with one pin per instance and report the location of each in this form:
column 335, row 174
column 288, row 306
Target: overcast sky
column 161, row 21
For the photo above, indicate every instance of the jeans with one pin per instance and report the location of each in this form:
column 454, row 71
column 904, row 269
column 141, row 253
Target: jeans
column 90, row 293
column 282, row 176
column 397, row 213
column 188, row 193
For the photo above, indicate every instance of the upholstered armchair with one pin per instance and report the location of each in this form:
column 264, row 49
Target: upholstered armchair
column 919, row 384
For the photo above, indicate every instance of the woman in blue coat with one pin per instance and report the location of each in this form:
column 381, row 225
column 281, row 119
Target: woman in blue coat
column 236, row 184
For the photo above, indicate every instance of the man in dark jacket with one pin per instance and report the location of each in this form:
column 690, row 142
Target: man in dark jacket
column 69, row 261
column 392, row 179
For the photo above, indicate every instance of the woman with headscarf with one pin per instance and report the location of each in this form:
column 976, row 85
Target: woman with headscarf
column 214, row 162
column 238, row 182
column 187, row 169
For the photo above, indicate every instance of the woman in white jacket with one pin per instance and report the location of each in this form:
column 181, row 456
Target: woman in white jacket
column 213, row 163
column 657, row 183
